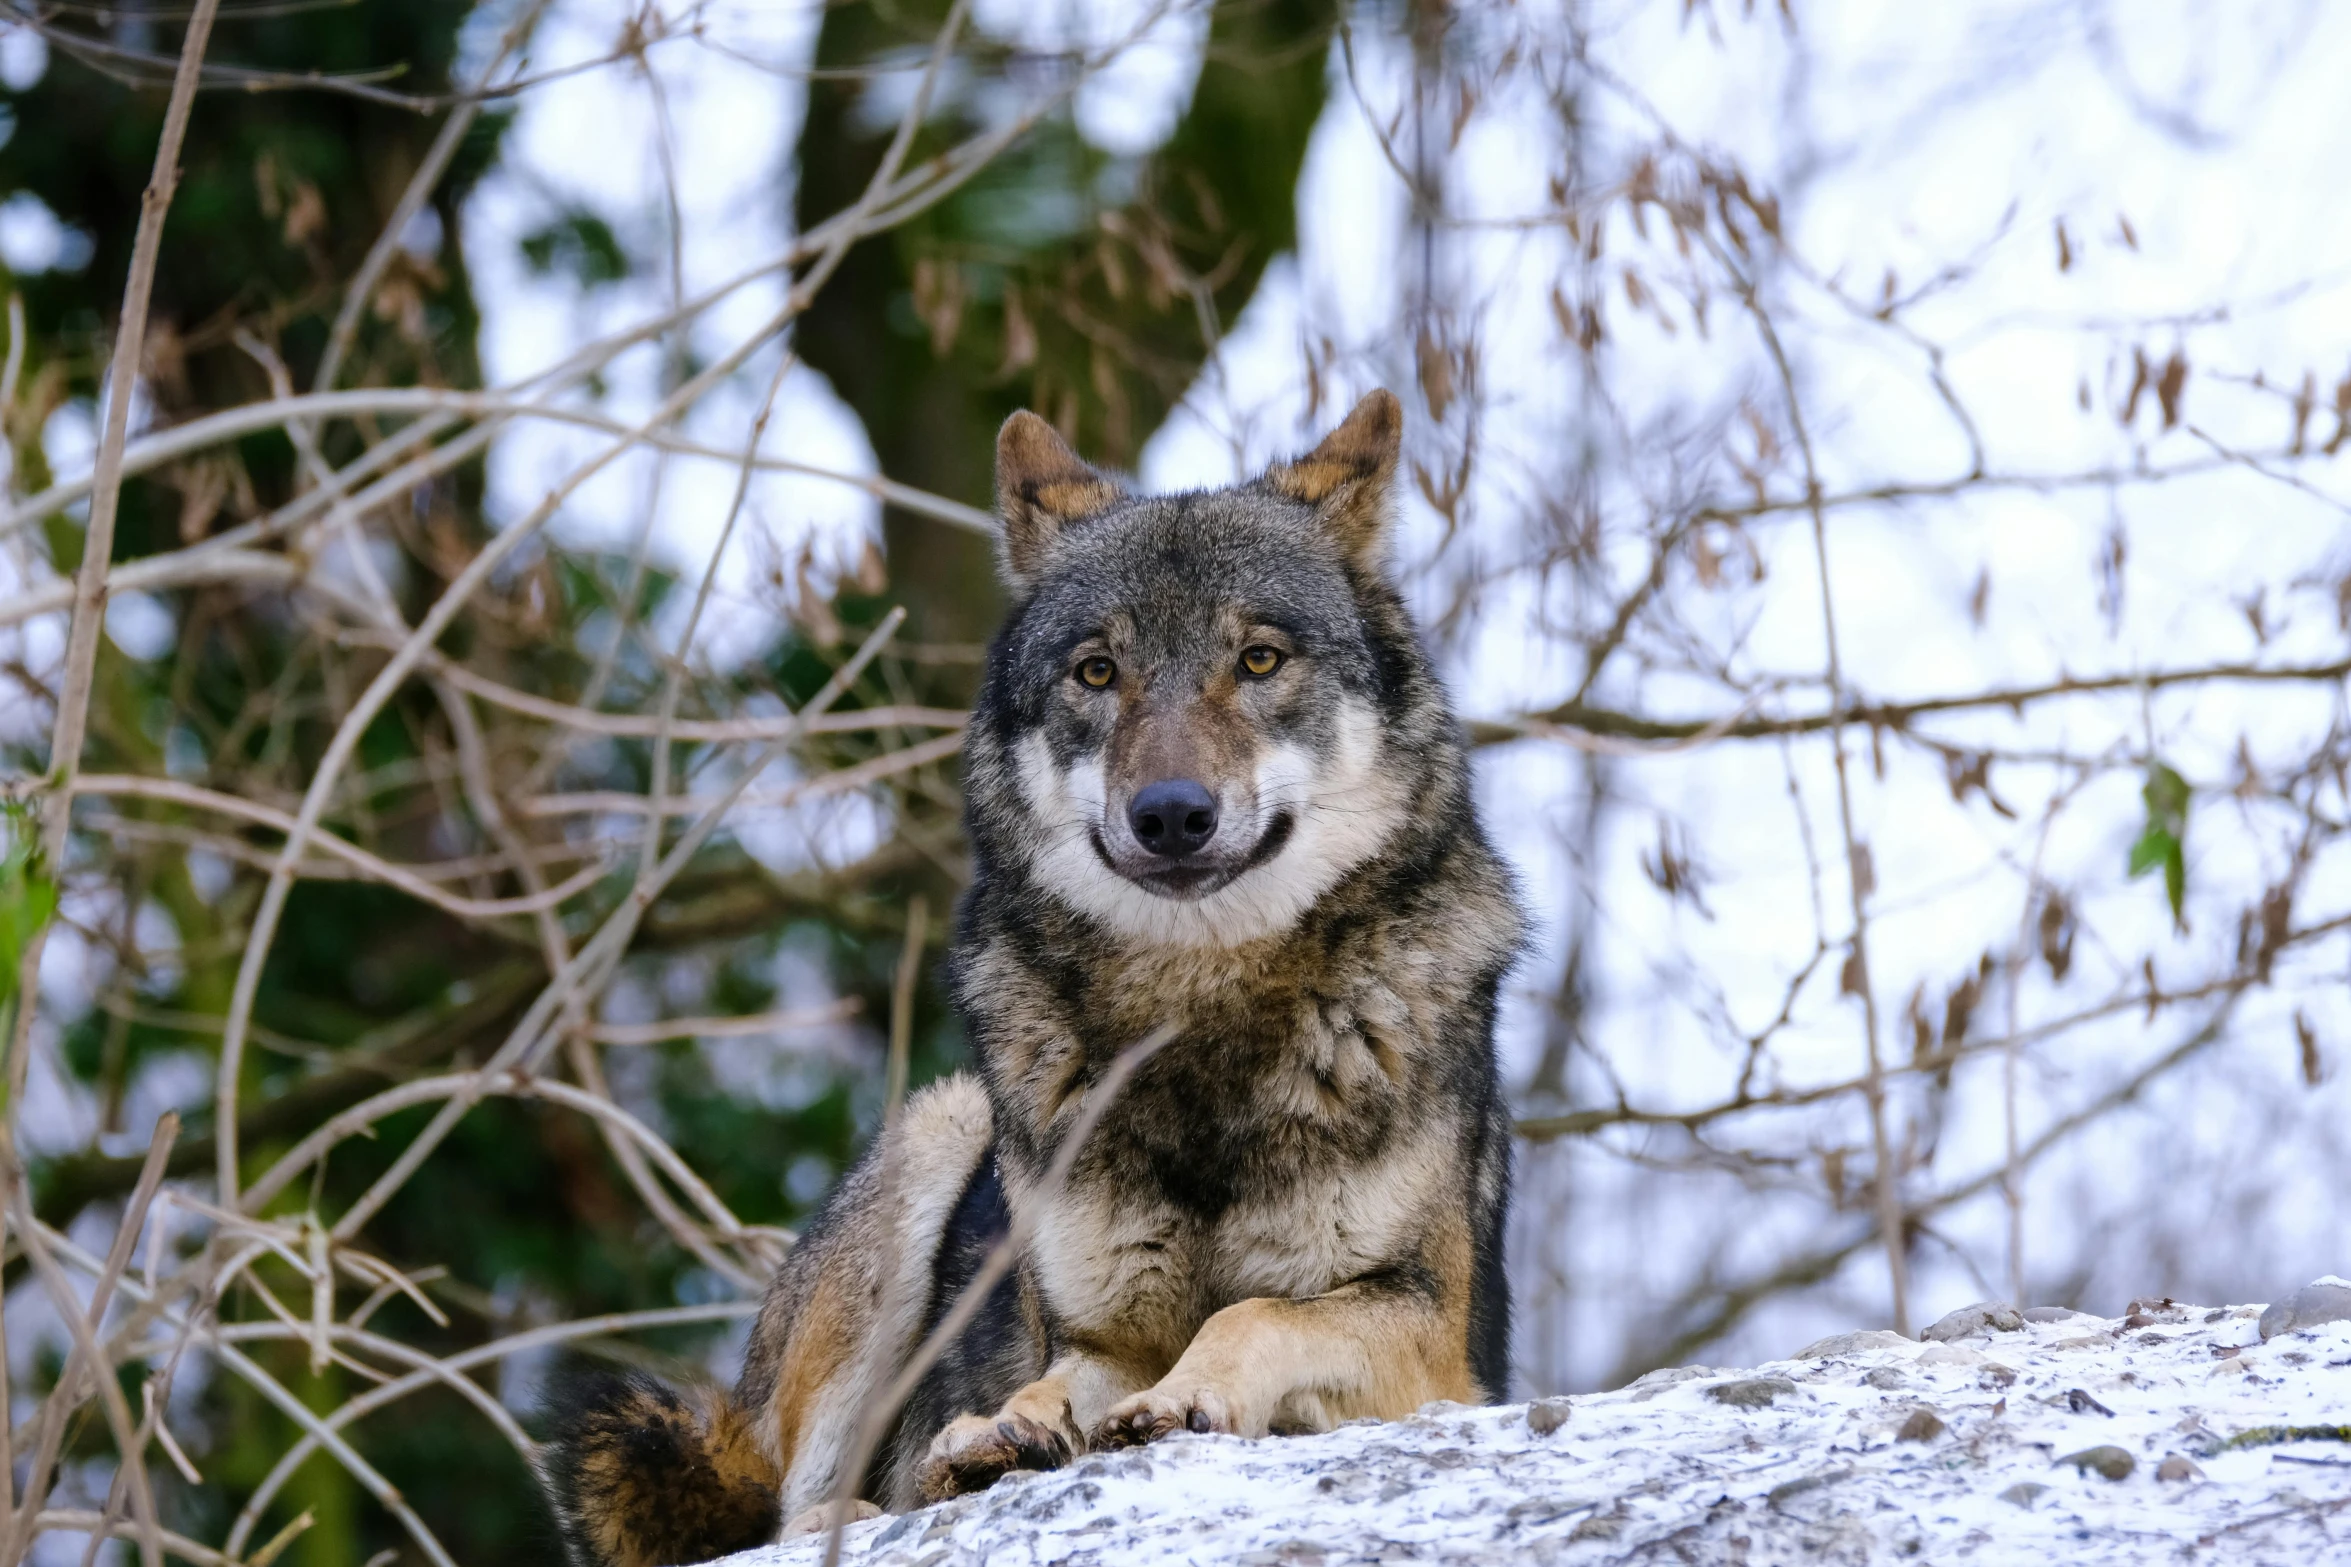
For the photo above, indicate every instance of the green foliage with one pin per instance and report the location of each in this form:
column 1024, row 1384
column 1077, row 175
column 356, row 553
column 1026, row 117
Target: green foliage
column 580, row 245
column 2163, row 841
column 28, row 896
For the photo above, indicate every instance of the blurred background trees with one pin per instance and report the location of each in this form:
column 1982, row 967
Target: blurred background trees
column 1897, row 580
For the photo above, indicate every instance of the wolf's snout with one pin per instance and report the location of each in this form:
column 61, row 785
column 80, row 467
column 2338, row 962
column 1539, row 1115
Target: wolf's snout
column 1173, row 817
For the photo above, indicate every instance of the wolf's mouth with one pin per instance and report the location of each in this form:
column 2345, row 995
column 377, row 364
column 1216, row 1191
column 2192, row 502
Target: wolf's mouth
column 1187, row 883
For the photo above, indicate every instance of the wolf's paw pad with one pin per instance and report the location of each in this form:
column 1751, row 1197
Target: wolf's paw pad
column 817, row 1519
column 1153, row 1413
column 975, row 1451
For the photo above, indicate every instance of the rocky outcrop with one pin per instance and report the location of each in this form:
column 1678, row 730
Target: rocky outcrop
column 2172, row 1433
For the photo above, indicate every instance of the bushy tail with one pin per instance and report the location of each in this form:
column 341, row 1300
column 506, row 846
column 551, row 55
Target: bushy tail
column 641, row 1475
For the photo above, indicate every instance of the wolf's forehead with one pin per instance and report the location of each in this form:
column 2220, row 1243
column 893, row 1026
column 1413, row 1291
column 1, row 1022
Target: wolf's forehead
column 1182, row 567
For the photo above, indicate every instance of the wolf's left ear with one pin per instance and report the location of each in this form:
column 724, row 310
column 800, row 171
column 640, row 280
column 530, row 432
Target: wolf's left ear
column 1347, row 478
column 1041, row 487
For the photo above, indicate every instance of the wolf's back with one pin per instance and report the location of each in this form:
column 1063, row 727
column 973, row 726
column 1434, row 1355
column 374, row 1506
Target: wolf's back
column 642, row 1475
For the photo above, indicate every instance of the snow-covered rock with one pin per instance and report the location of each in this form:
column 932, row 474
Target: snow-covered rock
column 2174, row 1433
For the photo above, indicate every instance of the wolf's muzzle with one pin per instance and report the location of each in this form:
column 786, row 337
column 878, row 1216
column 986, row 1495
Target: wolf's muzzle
column 1173, row 818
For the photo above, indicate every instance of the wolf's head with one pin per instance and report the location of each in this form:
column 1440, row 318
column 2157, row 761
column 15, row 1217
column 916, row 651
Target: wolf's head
column 1205, row 708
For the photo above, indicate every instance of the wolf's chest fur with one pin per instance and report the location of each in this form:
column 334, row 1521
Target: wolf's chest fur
column 1297, row 1133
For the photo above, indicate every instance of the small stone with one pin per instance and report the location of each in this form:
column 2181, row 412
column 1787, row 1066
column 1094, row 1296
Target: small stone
column 1985, row 1316
column 2313, row 1305
column 2049, row 1313
column 1789, row 1490
column 1750, row 1392
column 2177, row 1467
column 1546, row 1415
column 2024, row 1493
column 1886, row 1379
column 2081, row 1403
column 2112, row 1462
column 1924, row 1425
column 1995, row 1374
column 1649, row 1385
column 1844, row 1345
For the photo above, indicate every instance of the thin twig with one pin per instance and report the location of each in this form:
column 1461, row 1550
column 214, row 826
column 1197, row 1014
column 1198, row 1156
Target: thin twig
column 89, row 602
column 918, row 911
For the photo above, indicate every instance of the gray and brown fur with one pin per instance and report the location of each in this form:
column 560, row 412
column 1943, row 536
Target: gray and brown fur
column 1292, row 1215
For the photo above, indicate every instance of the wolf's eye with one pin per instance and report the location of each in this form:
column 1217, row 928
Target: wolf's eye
column 1258, row 662
column 1097, row 672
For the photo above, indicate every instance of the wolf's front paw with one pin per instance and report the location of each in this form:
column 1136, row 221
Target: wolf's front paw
column 1154, row 1412
column 975, row 1451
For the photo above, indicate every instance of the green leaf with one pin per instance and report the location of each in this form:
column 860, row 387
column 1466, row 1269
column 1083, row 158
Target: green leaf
column 577, row 243
column 2166, row 794
column 2163, row 841
column 28, row 897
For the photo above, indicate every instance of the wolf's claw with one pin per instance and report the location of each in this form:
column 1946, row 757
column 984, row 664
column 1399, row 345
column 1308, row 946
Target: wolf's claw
column 1154, row 1413
column 975, row 1451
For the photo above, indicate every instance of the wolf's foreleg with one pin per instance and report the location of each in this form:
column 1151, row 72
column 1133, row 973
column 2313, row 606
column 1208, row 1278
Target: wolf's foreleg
column 1375, row 1349
column 1039, row 1427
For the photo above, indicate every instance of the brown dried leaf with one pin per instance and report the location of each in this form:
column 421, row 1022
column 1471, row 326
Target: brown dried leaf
column 2167, row 389
column 308, row 214
column 2141, row 373
column 2277, row 921
column 1436, row 374
column 2313, row 1069
column 2057, row 930
column 1959, row 1008
column 1020, row 337
column 2064, row 248
column 1706, row 559
column 1853, row 978
column 939, row 300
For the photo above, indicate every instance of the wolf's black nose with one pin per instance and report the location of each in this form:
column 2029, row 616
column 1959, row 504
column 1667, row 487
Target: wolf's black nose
column 1173, row 817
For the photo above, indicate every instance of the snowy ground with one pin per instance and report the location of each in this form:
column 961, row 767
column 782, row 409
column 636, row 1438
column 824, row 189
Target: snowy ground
column 2151, row 1438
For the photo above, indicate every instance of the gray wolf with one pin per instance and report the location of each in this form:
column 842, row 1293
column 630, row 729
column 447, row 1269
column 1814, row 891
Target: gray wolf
column 1211, row 783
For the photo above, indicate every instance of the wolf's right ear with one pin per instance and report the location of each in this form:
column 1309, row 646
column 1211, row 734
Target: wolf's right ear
column 1041, row 487
column 1347, row 479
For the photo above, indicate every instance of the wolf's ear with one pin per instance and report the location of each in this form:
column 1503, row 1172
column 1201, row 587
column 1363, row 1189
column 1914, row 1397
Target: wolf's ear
column 1347, row 478
column 1041, row 487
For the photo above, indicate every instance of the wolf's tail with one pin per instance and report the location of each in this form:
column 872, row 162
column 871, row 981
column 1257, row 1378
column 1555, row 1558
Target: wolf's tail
column 642, row 1475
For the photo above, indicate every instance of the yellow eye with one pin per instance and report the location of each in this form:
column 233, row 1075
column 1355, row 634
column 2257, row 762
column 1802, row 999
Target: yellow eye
column 1258, row 662
column 1097, row 672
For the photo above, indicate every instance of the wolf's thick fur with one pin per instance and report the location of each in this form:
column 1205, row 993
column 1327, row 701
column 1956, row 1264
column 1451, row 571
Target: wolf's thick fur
column 1292, row 1216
